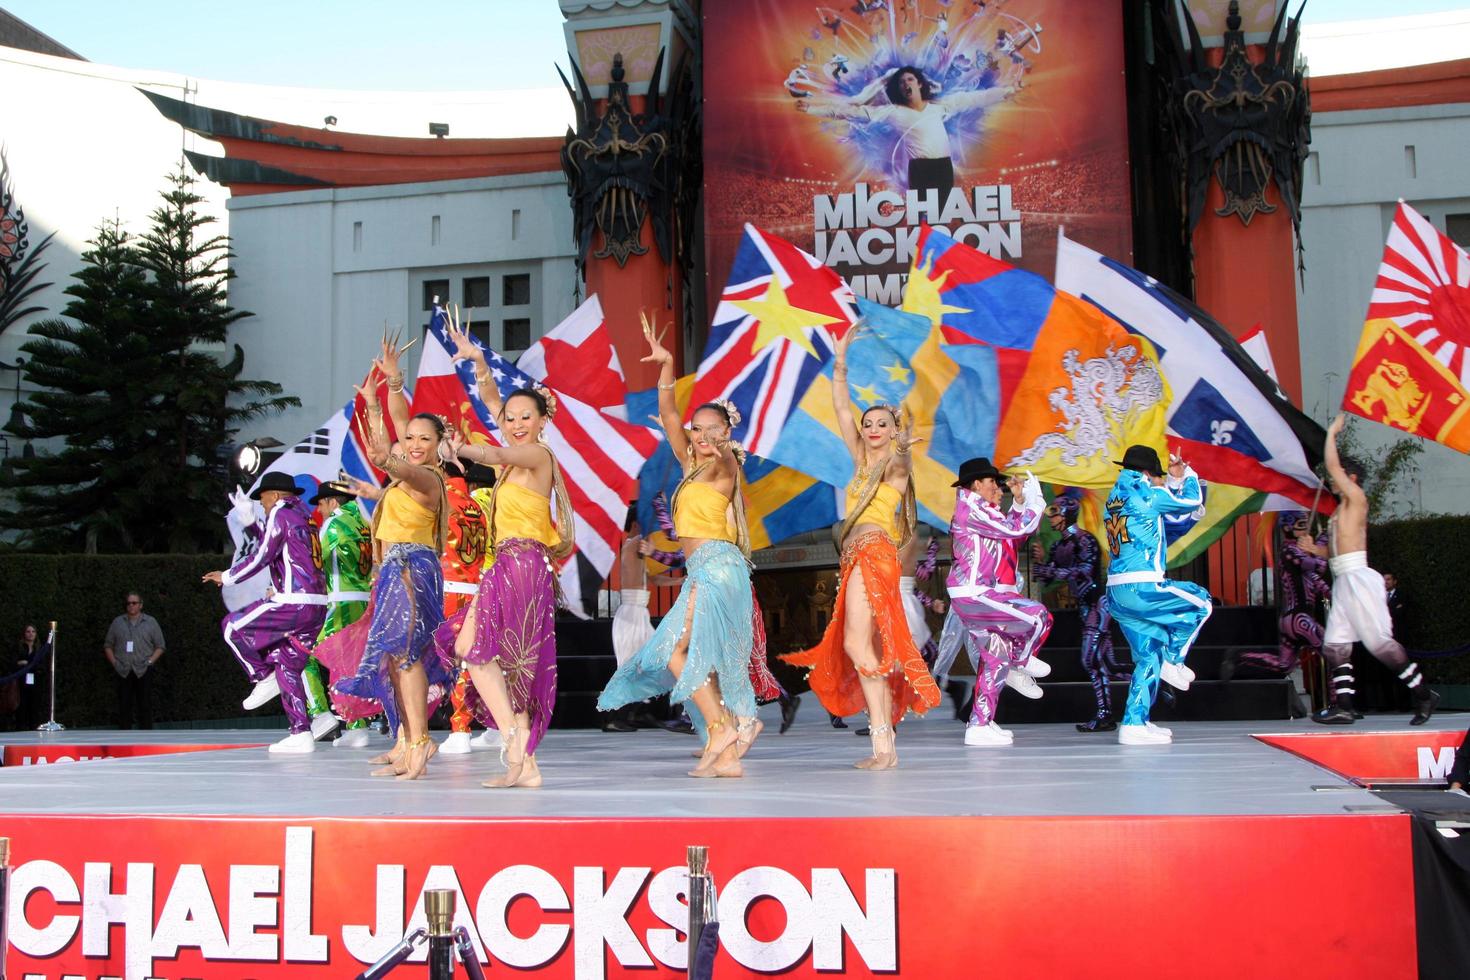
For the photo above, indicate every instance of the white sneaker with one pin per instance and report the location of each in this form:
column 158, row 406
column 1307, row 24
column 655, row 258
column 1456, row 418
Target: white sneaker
column 1141, row 735
column 1035, row 667
column 353, row 738
column 323, row 725
column 1159, row 729
column 299, row 744
column 1176, row 675
column 264, row 691
column 985, row 735
column 1004, row 731
column 1023, row 684
column 488, row 739
column 458, row 743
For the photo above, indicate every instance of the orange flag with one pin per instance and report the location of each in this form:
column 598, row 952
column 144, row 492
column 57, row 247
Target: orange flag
column 1412, row 370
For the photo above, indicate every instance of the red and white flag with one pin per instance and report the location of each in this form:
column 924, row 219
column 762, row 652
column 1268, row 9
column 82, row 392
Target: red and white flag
column 577, row 358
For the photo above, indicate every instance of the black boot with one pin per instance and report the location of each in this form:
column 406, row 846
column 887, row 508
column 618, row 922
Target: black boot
column 1336, row 713
column 789, row 704
column 1098, row 725
column 1424, row 706
column 620, row 721
column 1340, row 711
column 837, row 721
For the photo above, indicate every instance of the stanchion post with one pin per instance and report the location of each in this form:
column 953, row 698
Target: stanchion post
column 51, row 724
column 4, row 902
column 439, row 910
column 466, row 951
column 698, row 860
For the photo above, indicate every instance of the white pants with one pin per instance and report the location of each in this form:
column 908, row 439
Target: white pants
column 1359, row 605
column 913, row 611
column 631, row 626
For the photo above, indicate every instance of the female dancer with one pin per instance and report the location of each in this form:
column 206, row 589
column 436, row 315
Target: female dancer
column 507, row 636
column 701, row 649
column 847, row 672
column 408, row 597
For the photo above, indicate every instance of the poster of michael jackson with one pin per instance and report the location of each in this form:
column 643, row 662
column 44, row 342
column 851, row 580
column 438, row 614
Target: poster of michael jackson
column 844, row 128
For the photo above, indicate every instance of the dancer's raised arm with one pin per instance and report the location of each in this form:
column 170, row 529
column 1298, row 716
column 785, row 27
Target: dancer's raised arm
column 465, row 349
column 842, row 398
column 668, row 406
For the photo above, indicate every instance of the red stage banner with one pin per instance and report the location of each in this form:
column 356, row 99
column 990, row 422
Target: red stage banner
column 1017, row 125
column 41, row 755
column 237, row 898
column 1366, row 757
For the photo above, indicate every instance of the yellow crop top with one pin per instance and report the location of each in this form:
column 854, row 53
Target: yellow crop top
column 405, row 519
column 521, row 512
column 701, row 511
column 882, row 510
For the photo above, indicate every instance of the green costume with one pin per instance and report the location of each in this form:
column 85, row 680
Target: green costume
column 347, row 562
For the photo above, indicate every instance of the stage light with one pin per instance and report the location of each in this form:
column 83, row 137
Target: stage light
column 329, row 121
column 440, row 130
column 247, row 460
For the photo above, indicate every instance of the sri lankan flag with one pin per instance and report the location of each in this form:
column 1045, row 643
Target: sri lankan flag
column 1411, row 371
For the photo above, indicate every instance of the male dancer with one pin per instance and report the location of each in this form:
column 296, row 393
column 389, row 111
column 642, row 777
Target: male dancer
column 463, row 563
column 272, row 637
column 1159, row 617
column 1076, row 559
column 1003, row 626
column 347, row 562
column 1301, row 577
column 1359, row 602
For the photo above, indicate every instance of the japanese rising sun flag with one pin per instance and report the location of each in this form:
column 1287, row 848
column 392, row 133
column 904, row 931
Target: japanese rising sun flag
column 1411, row 371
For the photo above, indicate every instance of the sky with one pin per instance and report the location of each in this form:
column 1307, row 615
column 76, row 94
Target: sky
column 437, row 45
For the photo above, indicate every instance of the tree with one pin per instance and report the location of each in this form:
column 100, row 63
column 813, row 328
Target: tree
column 92, row 372
column 137, row 392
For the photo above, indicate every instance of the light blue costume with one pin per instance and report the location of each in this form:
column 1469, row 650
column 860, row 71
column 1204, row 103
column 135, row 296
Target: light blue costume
column 1159, row 617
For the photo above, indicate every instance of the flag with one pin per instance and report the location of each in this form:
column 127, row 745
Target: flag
column 948, row 391
column 780, row 502
column 577, row 358
column 336, row 446
column 1225, row 415
column 599, row 455
column 1411, row 371
column 773, row 331
column 1254, row 343
column 1075, row 388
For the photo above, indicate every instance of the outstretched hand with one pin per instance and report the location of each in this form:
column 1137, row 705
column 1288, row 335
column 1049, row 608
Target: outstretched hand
column 1177, row 465
column 845, row 341
column 1338, row 424
column 465, row 348
column 217, row 578
column 657, row 353
column 906, row 440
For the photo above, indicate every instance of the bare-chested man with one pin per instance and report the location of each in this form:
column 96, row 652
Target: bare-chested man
column 1359, row 602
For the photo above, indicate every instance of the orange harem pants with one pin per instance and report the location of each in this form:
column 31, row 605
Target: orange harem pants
column 834, row 679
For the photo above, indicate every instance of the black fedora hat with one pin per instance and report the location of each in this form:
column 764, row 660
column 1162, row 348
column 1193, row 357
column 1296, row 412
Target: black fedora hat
column 332, row 488
column 1145, row 459
column 277, row 481
column 977, row 469
column 480, row 475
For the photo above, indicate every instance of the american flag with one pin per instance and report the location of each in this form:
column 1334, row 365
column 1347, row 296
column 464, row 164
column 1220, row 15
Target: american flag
column 599, row 455
column 1422, row 287
column 774, row 330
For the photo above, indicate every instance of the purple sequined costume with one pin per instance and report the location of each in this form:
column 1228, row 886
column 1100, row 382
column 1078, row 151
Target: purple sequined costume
column 1076, row 559
column 1301, row 577
column 406, row 608
column 515, row 627
column 275, row 634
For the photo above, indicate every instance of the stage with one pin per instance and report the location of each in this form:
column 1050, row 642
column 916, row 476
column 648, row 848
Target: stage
column 1063, row 854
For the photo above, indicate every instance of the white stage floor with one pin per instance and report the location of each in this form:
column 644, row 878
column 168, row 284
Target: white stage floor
column 1213, row 768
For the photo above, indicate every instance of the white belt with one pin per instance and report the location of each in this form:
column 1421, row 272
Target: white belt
column 968, row 591
column 461, row 588
column 336, row 597
column 298, row 599
column 1134, row 578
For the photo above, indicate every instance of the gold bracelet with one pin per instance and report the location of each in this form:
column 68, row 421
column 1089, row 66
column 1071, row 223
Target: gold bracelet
column 668, row 387
column 483, row 377
column 902, row 450
column 395, row 383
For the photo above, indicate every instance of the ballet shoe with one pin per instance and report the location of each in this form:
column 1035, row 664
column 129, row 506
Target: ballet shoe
column 881, row 758
column 513, row 770
column 416, row 759
column 746, row 733
column 722, row 735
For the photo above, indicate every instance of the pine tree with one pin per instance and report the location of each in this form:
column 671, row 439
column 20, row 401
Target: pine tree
column 93, row 372
column 138, row 393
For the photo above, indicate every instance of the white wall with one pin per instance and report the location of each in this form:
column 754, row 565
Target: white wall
column 1355, row 176
column 321, row 288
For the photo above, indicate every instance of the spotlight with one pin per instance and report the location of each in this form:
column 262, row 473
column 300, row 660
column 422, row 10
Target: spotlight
column 440, row 130
column 247, row 459
column 329, row 121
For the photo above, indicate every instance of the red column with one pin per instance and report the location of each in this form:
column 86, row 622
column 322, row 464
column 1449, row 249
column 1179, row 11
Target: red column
column 646, row 283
